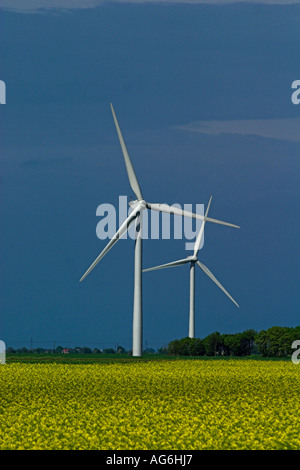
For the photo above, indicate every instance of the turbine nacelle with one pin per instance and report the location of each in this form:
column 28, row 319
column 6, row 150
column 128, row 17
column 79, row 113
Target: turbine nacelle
column 141, row 203
column 192, row 259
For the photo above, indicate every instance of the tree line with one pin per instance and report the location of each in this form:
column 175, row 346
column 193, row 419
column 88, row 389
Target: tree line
column 61, row 350
column 273, row 342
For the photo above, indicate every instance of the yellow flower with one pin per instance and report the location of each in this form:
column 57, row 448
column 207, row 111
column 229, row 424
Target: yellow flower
column 177, row 405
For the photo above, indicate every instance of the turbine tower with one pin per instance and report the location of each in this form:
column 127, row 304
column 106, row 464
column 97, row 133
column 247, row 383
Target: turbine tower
column 193, row 260
column 137, row 207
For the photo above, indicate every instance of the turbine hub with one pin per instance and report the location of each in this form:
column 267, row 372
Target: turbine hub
column 192, row 258
column 134, row 204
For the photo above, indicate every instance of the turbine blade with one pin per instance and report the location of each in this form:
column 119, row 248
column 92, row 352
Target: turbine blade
column 176, row 211
column 168, row 265
column 216, row 221
column 123, row 228
column 212, row 277
column 130, row 171
column 201, row 231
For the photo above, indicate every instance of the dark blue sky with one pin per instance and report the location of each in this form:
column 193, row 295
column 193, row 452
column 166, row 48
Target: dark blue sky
column 175, row 73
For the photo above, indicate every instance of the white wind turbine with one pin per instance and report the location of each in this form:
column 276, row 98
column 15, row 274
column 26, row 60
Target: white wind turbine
column 193, row 260
column 137, row 207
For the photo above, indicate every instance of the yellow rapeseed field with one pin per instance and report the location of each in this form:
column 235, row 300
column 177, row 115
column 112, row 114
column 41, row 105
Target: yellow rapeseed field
column 177, row 405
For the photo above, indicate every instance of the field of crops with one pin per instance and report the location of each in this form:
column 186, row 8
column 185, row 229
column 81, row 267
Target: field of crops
column 177, row 405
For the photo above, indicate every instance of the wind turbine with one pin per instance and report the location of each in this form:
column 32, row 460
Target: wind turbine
column 193, row 260
column 137, row 207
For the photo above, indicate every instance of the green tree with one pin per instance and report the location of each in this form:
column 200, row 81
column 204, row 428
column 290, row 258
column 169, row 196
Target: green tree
column 109, row 351
column 231, row 344
column 280, row 340
column 175, row 348
column 186, row 347
column 213, row 344
column 248, row 342
column 196, row 347
column 276, row 341
column 261, row 340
